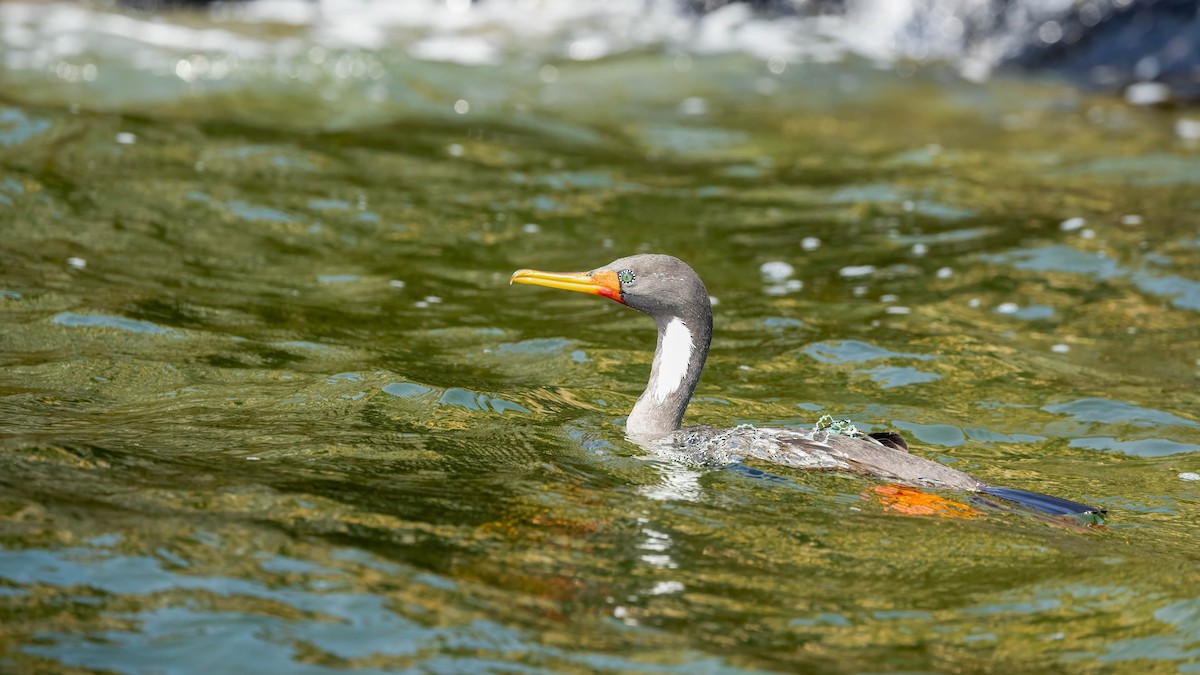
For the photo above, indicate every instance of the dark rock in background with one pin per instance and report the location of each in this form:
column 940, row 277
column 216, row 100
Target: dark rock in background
column 1147, row 49
column 1124, row 49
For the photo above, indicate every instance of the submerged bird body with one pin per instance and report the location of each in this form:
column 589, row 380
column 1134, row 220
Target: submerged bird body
column 669, row 291
column 816, row 449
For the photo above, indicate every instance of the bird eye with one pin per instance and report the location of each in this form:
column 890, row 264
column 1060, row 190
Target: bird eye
column 626, row 276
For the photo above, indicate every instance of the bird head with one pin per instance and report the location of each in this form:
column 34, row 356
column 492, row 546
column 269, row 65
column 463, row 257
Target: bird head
column 659, row 285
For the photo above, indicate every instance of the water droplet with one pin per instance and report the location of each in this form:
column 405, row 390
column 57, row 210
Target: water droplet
column 67, row 71
column 776, row 270
column 1050, row 32
column 588, row 49
column 1147, row 93
column 852, row 271
column 1188, row 129
column 1071, row 224
column 693, row 105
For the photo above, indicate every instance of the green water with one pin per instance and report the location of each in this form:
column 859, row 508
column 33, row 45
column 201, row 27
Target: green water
column 267, row 403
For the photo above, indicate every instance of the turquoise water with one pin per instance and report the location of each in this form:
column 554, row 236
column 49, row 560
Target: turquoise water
column 267, row 403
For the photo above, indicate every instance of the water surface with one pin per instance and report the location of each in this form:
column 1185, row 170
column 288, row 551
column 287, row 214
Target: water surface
column 267, row 403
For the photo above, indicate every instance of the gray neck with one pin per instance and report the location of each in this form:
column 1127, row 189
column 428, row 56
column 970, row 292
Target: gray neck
column 678, row 359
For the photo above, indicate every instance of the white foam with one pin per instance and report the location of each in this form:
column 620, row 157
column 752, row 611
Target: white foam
column 38, row 35
column 468, row 51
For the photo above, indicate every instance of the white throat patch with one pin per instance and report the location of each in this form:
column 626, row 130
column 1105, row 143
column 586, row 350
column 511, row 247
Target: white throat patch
column 674, row 357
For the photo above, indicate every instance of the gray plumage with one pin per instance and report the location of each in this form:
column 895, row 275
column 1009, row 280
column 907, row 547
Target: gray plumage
column 667, row 289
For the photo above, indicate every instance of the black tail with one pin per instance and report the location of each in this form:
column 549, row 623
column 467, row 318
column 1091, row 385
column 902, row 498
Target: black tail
column 1044, row 503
